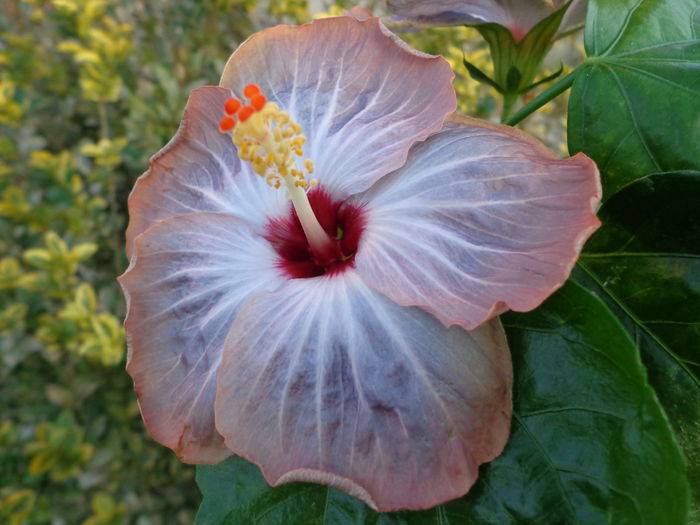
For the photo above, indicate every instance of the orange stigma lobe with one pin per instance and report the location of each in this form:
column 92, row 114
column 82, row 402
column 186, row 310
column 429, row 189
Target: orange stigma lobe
column 237, row 113
column 270, row 140
column 250, row 91
column 258, row 101
column 226, row 124
column 245, row 113
column 232, row 105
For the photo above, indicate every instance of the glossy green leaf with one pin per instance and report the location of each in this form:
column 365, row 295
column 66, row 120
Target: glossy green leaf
column 635, row 104
column 645, row 264
column 589, row 442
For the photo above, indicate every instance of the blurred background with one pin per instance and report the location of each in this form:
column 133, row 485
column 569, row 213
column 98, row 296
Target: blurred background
column 89, row 90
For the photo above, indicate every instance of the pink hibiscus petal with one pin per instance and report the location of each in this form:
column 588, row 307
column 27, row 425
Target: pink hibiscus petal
column 328, row 381
column 519, row 16
column 481, row 218
column 199, row 171
column 361, row 95
column 186, row 282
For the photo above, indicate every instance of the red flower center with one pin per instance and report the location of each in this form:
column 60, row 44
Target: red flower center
column 343, row 222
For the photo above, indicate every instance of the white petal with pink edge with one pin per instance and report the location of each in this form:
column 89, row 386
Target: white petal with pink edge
column 519, row 16
column 328, row 381
column 481, row 218
column 199, row 171
column 361, row 95
column 187, row 280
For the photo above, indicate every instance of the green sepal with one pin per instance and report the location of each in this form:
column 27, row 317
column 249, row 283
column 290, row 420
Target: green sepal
column 520, row 60
column 513, row 78
column 478, row 75
column 544, row 80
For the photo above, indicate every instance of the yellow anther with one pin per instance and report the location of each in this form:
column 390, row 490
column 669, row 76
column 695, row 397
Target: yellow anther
column 298, row 142
column 270, row 140
column 309, row 165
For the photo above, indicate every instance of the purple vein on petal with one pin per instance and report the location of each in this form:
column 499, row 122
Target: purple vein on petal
column 187, row 280
column 481, row 218
column 326, row 380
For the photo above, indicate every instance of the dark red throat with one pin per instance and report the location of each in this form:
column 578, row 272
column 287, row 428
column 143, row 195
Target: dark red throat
column 343, row 222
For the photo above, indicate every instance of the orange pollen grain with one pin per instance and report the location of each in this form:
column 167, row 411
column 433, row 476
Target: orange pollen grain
column 251, row 90
column 258, row 101
column 232, row 105
column 245, row 112
column 226, row 124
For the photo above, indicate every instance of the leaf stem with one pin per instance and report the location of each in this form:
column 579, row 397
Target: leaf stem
column 540, row 100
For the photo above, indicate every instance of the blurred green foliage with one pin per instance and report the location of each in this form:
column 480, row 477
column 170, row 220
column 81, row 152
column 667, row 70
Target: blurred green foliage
column 89, row 90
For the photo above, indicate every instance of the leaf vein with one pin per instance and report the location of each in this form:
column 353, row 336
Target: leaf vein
column 549, row 462
column 659, row 79
column 640, row 326
column 637, row 130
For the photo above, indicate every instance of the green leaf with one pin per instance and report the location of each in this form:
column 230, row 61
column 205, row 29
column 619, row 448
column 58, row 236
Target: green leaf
column 235, row 492
column 83, row 251
column 55, row 244
column 645, row 264
column 589, row 442
column 635, row 104
column 37, row 257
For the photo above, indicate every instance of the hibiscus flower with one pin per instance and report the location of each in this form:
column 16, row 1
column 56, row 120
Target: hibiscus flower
column 342, row 331
column 519, row 16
